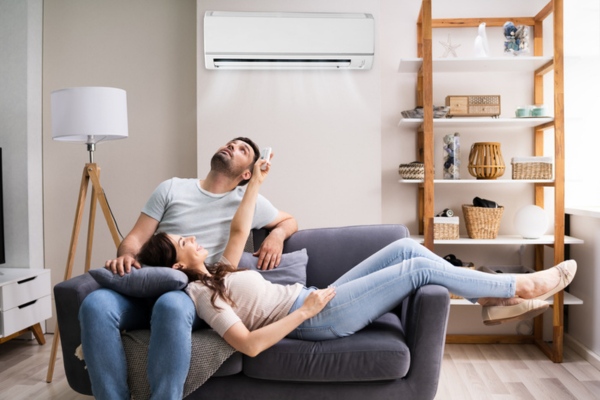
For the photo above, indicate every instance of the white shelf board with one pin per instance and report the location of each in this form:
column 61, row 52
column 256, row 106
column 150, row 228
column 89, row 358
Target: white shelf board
column 509, row 64
column 584, row 211
column 477, row 181
column 502, row 240
column 568, row 299
column 478, row 122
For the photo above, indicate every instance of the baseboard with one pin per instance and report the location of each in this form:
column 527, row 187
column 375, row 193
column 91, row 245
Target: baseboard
column 583, row 351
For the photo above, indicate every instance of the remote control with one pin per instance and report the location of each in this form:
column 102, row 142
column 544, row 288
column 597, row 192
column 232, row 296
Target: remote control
column 265, row 154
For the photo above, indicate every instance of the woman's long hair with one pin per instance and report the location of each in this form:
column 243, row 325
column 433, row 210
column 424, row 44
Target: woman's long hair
column 159, row 251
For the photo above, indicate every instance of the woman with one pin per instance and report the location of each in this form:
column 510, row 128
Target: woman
column 252, row 314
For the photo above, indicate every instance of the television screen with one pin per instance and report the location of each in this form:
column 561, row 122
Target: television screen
column 2, row 253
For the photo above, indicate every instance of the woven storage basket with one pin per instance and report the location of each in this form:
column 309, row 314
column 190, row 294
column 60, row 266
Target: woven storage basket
column 445, row 228
column 482, row 222
column 414, row 170
column 532, row 168
column 485, row 160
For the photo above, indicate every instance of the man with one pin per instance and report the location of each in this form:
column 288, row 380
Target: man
column 192, row 208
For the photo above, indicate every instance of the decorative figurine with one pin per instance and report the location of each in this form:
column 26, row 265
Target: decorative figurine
column 481, row 43
column 516, row 38
column 452, row 156
column 449, row 48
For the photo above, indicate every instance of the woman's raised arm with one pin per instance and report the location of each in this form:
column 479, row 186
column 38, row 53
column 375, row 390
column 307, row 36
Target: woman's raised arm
column 242, row 220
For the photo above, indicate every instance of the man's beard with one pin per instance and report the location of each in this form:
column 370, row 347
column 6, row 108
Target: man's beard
column 222, row 164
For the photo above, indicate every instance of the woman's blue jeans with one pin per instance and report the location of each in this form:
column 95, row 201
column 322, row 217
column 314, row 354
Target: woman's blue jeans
column 105, row 313
column 380, row 283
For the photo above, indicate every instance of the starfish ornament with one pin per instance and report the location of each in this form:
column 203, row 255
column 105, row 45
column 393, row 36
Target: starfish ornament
column 449, row 48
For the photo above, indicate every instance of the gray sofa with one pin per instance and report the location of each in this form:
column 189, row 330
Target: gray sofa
column 398, row 356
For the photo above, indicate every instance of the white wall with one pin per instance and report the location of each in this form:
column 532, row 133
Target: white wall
column 583, row 323
column 324, row 126
column 21, row 131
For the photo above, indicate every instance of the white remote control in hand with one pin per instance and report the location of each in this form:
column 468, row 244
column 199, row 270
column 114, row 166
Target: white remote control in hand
column 265, row 154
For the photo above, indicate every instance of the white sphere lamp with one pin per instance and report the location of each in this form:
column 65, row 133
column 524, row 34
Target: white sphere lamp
column 531, row 222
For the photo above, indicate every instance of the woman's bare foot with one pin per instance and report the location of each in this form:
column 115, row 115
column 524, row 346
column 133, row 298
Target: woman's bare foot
column 543, row 284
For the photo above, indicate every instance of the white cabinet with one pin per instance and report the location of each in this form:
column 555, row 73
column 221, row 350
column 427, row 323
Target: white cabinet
column 25, row 302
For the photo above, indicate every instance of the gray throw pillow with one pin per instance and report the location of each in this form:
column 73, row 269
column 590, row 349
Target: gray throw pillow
column 292, row 268
column 154, row 281
column 144, row 282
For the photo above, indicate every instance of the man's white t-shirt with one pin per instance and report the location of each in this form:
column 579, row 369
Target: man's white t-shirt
column 183, row 208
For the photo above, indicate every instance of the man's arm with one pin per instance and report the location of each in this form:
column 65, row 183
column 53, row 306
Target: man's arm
column 143, row 230
column 281, row 228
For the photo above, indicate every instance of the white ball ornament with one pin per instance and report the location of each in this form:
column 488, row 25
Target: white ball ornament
column 531, row 222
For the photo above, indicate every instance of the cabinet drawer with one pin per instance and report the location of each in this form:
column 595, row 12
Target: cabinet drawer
column 24, row 316
column 457, row 104
column 484, row 110
column 23, row 291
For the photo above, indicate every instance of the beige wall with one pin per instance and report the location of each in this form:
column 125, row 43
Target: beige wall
column 324, row 126
column 148, row 49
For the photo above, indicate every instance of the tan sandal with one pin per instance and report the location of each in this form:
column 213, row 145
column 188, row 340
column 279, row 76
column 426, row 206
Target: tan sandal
column 527, row 309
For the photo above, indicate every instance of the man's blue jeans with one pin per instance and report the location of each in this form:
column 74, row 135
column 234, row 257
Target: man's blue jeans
column 380, row 283
column 105, row 313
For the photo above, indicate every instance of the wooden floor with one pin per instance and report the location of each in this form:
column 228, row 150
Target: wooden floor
column 497, row 372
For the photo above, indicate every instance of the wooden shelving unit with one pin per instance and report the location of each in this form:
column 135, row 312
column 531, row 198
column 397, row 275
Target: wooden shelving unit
column 424, row 66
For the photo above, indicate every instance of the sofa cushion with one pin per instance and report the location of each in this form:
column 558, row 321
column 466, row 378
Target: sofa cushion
column 291, row 269
column 232, row 366
column 378, row 352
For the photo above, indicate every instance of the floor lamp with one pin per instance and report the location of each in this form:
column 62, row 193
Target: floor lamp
column 89, row 115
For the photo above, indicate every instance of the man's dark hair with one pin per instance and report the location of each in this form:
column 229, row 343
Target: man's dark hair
column 256, row 155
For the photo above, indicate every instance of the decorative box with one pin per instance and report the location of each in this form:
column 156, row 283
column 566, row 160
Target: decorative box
column 445, row 228
column 531, row 167
column 473, row 106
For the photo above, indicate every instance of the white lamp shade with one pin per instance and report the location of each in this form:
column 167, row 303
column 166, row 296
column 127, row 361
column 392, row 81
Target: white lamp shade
column 531, row 222
column 89, row 114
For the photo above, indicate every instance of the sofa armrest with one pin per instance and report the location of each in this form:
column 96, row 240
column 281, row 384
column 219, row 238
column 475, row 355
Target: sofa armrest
column 425, row 319
column 68, row 296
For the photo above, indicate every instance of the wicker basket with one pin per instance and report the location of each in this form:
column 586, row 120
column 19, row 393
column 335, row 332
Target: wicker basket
column 482, row 222
column 485, row 160
column 532, row 168
column 414, row 170
column 445, row 228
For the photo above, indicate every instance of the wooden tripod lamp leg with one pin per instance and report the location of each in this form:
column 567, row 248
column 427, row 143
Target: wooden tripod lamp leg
column 91, row 224
column 90, row 172
column 70, row 260
column 94, row 174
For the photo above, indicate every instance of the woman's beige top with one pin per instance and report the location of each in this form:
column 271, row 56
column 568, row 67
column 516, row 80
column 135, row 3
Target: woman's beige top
column 258, row 302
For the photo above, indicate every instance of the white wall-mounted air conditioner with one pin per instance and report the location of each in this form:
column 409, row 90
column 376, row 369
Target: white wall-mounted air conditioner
column 270, row 40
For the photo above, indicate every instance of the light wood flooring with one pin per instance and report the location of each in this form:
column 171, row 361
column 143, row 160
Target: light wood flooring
column 496, row 372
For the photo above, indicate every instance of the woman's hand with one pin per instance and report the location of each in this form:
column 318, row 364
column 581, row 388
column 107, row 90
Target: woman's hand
column 316, row 301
